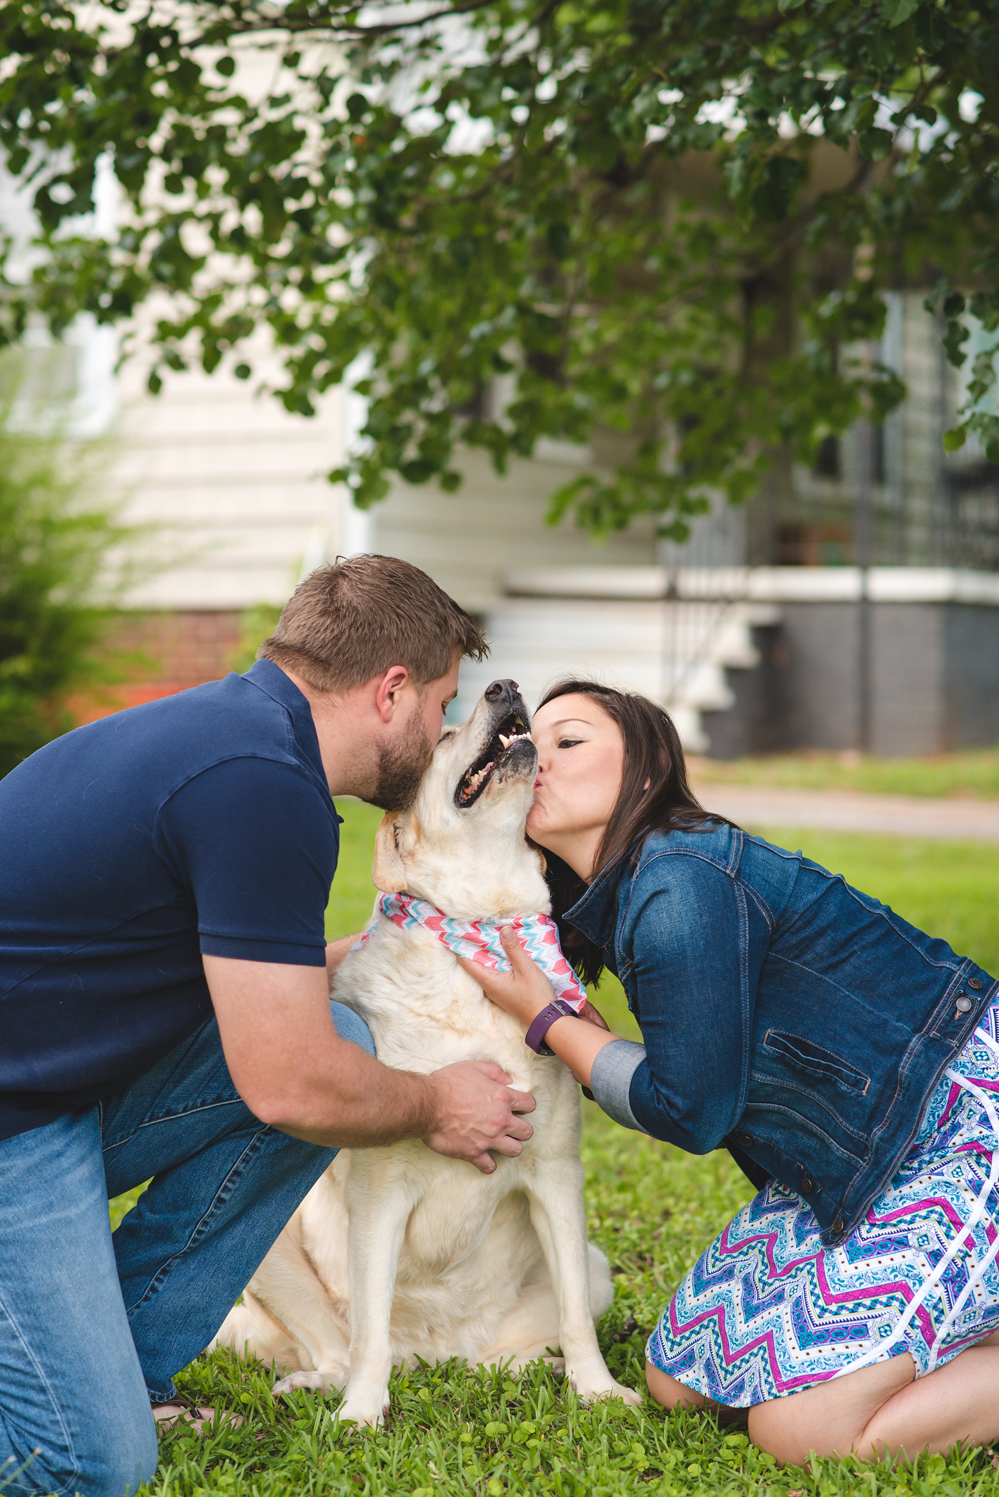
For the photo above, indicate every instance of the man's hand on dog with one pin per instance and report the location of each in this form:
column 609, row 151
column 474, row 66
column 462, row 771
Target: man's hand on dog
column 477, row 1111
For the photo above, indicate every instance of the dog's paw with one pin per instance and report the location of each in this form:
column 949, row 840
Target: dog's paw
column 591, row 1387
column 360, row 1414
column 313, row 1381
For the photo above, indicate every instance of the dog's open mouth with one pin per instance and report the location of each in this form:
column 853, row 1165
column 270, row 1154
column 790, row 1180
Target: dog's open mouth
column 511, row 732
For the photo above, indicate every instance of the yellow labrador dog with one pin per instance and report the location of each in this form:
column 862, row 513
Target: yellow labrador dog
column 398, row 1252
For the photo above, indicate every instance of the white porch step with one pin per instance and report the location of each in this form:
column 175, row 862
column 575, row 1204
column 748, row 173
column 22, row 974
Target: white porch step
column 676, row 652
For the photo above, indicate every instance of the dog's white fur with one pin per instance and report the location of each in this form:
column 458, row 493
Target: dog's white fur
column 398, row 1252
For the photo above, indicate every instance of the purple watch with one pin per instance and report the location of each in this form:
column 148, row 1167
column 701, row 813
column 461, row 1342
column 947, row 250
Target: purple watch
column 535, row 1036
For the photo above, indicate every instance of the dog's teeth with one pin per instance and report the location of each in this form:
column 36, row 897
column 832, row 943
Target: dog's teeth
column 505, row 741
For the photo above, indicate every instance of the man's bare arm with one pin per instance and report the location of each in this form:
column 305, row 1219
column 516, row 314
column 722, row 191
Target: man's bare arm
column 294, row 1072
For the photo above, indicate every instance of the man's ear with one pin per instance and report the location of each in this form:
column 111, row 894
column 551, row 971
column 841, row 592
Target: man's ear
column 388, row 691
column 387, row 871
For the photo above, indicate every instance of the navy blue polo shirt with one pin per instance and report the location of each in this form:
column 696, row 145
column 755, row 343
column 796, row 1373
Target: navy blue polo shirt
column 201, row 823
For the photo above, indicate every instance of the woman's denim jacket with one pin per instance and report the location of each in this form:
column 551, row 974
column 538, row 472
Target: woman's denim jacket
column 785, row 1016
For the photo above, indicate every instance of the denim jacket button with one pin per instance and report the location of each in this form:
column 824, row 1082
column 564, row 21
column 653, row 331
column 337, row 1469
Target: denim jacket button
column 745, row 1139
column 806, row 1186
column 838, row 1224
column 964, row 1004
column 976, row 984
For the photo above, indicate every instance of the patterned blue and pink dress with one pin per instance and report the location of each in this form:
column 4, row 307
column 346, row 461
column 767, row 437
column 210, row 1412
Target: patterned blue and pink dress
column 768, row 1310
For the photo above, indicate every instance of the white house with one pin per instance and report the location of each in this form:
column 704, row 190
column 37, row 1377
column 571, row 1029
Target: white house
column 759, row 633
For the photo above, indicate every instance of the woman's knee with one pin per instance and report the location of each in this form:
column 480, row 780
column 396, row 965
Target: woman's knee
column 830, row 1418
column 668, row 1392
column 671, row 1394
column 789, row 1441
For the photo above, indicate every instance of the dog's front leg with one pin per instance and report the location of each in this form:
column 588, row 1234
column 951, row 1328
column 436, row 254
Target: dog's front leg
column 555, row 1192
column 379, row 1211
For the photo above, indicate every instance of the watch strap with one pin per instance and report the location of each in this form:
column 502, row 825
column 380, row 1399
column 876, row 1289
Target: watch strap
column 535, row 1036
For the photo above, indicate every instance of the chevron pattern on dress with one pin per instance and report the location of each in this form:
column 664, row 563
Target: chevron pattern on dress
column 768, row 1310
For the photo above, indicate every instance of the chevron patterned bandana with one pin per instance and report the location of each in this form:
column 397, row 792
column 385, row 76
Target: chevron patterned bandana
column 479, row 940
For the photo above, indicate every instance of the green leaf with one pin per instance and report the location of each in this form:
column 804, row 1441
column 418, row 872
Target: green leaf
column 955, row 334
column 785, row 5
column 883, row 50
column 897, row 11
column 985, row 306
column 876, row 144
column 226, row 66
column 558, row 238
column 864, row 112
column 779, row 181
column 955, row 438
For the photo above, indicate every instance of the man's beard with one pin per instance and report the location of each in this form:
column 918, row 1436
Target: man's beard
column 401, row 767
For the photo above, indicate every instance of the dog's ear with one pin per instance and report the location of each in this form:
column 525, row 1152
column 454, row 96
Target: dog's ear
column 387, row 871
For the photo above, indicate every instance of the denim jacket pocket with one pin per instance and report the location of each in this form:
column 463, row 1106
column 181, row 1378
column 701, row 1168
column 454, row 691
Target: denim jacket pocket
column 807, row 1056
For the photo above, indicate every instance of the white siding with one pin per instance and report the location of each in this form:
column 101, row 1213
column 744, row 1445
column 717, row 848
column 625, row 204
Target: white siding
column 468, row 541
column 236, row 483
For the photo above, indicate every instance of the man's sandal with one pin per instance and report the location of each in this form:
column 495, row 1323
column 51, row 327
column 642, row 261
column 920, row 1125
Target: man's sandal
column 184, row 1410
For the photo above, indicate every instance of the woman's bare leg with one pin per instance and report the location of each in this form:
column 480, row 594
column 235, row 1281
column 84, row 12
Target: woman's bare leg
column 884, row 1410
column 673, row 1395
column 879, row 1410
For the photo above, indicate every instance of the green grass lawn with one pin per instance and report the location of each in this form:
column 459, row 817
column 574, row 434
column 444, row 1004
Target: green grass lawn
column 972, row 772
column 652, row 1209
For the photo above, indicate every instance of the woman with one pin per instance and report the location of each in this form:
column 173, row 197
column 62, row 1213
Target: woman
column 848, row 1061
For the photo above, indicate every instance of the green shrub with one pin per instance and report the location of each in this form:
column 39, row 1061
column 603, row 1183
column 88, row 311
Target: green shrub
column 256, row 625
column 62, row 555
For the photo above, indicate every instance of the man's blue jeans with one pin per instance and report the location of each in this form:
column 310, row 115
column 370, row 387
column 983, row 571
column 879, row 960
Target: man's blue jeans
column 93, row 1327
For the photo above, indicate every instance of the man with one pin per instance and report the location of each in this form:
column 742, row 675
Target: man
column 164, row 1009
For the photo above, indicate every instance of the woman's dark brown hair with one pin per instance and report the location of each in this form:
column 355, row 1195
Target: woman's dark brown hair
column 655, row 796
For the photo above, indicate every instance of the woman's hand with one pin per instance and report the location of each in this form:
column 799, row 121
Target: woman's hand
column 524, row 992
column 592, row 1015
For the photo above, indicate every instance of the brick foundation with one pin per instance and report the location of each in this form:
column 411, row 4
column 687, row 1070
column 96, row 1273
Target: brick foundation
column 172, row 650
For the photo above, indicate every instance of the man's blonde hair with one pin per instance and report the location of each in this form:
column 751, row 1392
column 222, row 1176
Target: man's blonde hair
column 352, row 620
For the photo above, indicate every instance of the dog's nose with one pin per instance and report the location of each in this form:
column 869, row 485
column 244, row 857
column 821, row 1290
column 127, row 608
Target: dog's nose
column 501, row 691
